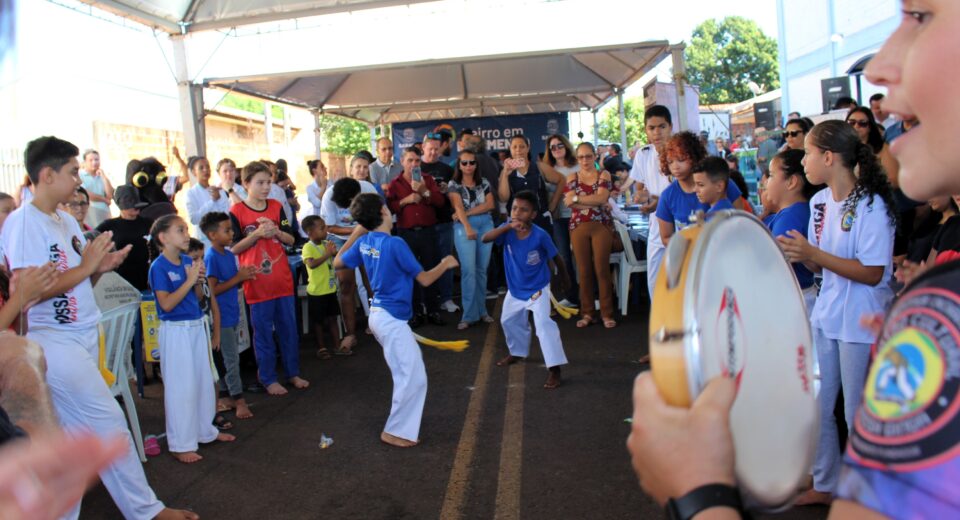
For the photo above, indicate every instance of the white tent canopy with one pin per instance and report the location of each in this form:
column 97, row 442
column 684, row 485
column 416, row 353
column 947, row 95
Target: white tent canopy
column 552, row 81
column 183, row 16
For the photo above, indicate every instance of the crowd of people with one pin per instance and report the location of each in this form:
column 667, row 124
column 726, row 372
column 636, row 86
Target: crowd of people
column 863, row 210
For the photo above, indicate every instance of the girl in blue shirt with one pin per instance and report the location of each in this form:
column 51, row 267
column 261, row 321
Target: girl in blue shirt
column 788, row 192
column 188, row 391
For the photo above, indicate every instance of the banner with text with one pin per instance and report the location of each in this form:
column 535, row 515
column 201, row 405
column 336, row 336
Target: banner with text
column 496, row 130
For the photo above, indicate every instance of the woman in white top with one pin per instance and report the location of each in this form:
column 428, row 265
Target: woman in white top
column 316, row 189
column 560, row 158
column 230, row 180
column 851, row 243
column 98, row 188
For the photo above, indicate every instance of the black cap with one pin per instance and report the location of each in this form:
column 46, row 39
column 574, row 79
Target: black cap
column 127, row 197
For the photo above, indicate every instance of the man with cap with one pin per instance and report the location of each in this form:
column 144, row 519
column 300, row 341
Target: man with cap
column 130, row 228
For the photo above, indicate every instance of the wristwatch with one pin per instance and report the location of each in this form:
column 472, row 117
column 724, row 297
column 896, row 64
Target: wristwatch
column 576, row 198
column 704, row 497
column 230, row 191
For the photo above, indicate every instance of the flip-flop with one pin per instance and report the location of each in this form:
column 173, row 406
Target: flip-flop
column 609, row 323
column 584, row 322
column 222, row 423
column 344, row 351
column 323, row 353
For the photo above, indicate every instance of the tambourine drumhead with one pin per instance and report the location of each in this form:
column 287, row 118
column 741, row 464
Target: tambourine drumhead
column 726, row 303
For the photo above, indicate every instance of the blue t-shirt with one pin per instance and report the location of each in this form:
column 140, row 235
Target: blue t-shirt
column 223, row 266
column 676, row 206
column 525, row 261
column 391, row 268
column 164, row 276
column 797, row 217
column 721, row 205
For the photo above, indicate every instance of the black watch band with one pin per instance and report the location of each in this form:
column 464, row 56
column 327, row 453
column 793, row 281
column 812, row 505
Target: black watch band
column 704, row 497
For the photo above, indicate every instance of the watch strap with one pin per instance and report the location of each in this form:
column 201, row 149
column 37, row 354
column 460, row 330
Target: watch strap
column 704, row 497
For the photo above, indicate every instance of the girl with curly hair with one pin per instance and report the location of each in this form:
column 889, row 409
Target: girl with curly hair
column 679, row 201
column 850, row 242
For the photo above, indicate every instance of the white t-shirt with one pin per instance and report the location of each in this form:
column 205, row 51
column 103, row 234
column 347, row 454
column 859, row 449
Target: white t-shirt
column 30, row 238
column 334, row 215
column 315, row 197
column 200, row 202
column 646, row 170
column 865, row 234
column 280, row 195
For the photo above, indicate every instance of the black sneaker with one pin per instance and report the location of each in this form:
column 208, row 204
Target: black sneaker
column 416, row 321
column 435, row 319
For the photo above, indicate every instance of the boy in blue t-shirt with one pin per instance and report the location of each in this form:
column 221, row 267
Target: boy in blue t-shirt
column 710, row 179
column 392, row 268
column 224, row 276
column 527, row 251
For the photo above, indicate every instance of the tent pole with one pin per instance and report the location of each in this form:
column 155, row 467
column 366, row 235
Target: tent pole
column 623, row 121
column 268, row 127
column 316, row 133
column 191, row 102
column 679, row 81
column 373, row 138
column 596, row 129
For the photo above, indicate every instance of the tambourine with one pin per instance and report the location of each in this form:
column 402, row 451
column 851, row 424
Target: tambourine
column 726, row 303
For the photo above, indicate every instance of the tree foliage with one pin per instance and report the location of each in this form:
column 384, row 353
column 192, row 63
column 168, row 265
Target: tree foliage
column 609, row 121
column 342, row 136
column 723, row 56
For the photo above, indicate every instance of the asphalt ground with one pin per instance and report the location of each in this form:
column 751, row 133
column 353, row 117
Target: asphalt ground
column 494, row 443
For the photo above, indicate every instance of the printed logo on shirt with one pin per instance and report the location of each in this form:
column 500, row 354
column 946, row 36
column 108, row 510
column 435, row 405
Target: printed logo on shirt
column 846, row 222
column 819, row 213
column 65, row 308
column 173, row 276
column 909, row 419
column 266, row 263
column 372, row 252
column 249, row 228
column 533, row 257
column 75, row 242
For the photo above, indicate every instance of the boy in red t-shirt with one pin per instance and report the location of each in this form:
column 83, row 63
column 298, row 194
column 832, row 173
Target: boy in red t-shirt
column 261, row 229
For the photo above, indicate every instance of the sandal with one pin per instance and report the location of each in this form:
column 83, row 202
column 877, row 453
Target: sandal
column 222, row 423
column 609, row 323
column 463, row 325
column 487, row 319
column 323, row 353
column 585, row 321
column 342, row 351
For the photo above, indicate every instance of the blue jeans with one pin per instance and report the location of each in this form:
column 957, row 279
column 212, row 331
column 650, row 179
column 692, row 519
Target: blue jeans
column 474, row 258
column 561, row 238
column 445, row 247
column 842, row 366
column 277, row 315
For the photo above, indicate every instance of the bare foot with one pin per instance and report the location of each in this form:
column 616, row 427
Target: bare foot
column 243, row 411
column 226, row 437
column 393, row 440
column 176, row 514
column 509, row 360
column 188, row 457
column 224, row 404
column 276, row 389
column 553, row 380
column 299, row 382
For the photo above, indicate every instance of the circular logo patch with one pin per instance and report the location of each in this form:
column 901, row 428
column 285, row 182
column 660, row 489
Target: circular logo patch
column 909, row 414
column 75, row 242
column 846, row 222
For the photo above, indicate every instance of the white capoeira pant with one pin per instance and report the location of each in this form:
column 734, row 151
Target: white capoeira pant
column 189, row 399
column 516, row 327
column 405, row 360
column 83, row 402
column 654, row 257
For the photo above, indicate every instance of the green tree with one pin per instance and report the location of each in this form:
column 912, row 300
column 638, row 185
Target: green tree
column 609, row 121
column 342, row 136
column 723, row 56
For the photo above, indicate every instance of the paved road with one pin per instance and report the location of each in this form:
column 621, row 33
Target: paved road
column 495, row 444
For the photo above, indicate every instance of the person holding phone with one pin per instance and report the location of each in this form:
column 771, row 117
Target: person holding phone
column 414, row 198
column 520, row 173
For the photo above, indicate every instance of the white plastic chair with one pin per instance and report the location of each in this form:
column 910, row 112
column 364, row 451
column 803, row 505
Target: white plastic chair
column 119, row 326
column 627, row 264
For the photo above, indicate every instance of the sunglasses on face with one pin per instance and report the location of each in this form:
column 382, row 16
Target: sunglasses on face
column 468, row 163
column 434, row 135
column 585, row 157
column 862, row 123
column 557, row 146
column 792, row 133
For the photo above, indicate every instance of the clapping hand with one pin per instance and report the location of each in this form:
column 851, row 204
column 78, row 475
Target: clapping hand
column 796, row 247
column 29, row 284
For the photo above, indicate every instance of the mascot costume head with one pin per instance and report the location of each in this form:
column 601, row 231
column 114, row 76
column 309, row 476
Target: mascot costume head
column 149, row 177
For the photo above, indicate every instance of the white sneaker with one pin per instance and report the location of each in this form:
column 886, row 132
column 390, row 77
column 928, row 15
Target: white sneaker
column 492, row 295
column 449, row 306
column 567, row 303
